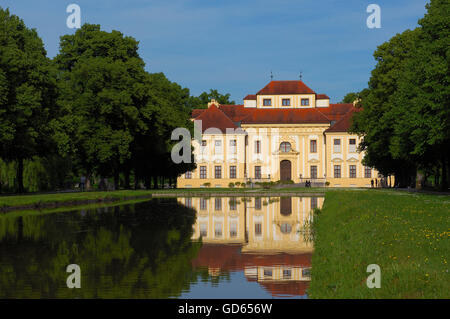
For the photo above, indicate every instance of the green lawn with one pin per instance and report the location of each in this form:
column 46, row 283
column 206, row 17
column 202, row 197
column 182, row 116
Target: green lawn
column 406, row 234
column 42, row 199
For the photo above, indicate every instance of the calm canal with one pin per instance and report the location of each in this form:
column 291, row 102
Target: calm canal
column 199, row 247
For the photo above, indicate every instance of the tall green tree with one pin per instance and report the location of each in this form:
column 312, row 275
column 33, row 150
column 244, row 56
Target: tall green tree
column 406, row 113
column 422, row 100
column 103, row 88
column 350, row 97
column 203, row 99
column 115, row 117
column 377, row 120
column 27, row 93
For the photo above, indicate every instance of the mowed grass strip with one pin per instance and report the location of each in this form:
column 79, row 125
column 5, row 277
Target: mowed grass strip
column 74, row 197
column 407, row 235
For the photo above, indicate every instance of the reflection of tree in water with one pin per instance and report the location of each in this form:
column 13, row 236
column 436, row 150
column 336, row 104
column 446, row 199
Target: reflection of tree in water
column 130, row 251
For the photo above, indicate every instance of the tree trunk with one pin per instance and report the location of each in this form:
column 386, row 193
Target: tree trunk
column 20, row 187
column 127, row 178
column 444, row 185
column 436, row 177
column 116, row 179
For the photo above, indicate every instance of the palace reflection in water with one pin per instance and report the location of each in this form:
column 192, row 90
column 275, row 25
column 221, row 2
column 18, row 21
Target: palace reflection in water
column 269, row 238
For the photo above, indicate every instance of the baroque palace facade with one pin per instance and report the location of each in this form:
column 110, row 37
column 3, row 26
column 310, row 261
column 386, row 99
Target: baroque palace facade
column 286, row 131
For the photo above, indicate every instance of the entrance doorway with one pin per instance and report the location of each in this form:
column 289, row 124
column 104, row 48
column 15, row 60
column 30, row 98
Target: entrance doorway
column 285, row 170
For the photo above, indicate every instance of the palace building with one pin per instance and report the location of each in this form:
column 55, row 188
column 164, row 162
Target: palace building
column 286, row 131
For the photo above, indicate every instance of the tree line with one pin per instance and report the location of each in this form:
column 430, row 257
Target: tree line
column 93, row 110
column 404, row 114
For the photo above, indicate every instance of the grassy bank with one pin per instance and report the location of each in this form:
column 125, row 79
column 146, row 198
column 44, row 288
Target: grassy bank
column 407, row 235
column 76, row 198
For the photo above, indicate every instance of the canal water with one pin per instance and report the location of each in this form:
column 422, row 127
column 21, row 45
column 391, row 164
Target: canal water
column 199, row 247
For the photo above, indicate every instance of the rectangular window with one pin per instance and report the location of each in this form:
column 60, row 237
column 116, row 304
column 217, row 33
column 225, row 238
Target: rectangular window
column 232, row 171
column 218, row 172
column 218, row 147
column 313, row 203
column 233, row 148
column 267, row 272
column 258, row 230
column 337, row 171
column 257, row 203
column 202, row 203
column 313, row 171
column 286, row 102
column 287, row 274
column 337, row 146
column 203, row 148
column 313, row 146
column 305, row 102
column 218, row 229
column 258, row 172
column 352, row 145
column 352, row 171
column 188, row 175
column 203, row 229
column 367, row 172
column 233, row 204
column 257, row 147
column 218, row 204
column 233, row 229
column 306, row 272
column 203, row 172
column 188, row 202
column 267, row 102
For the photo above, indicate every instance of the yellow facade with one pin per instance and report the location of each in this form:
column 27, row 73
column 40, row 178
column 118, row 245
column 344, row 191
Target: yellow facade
column 346, row 157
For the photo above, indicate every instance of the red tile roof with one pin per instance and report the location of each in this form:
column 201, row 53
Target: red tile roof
column 335, row 111
column 231, row 116
column 250, row 97
column 287, row 288
column 285, row 116
column 322, row 96
column 344, row 123
column 285, row 87
column 212, row 117
column 230, row 258
column 235, row 112
column 197, row 112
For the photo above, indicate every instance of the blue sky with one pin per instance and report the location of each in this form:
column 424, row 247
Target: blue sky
column 233, row 45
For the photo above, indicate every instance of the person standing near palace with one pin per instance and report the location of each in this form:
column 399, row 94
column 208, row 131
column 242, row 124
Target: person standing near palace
column 82, row 182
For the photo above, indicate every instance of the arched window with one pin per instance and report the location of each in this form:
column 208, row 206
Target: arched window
column 285, row 147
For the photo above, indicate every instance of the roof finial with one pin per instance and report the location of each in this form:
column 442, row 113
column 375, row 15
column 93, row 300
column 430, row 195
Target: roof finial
column 300, row 75
column 271, row 76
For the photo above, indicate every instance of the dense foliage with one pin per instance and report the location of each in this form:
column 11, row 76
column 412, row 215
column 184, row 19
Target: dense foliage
column 27, row 93
column 405, row 116
column 92, row 111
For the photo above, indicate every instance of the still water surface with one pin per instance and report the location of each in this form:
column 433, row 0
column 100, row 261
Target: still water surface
column 216, row 247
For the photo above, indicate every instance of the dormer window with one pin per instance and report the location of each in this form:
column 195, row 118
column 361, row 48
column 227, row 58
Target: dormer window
column 267, row 102
column 305, row 102
column 286, row 102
